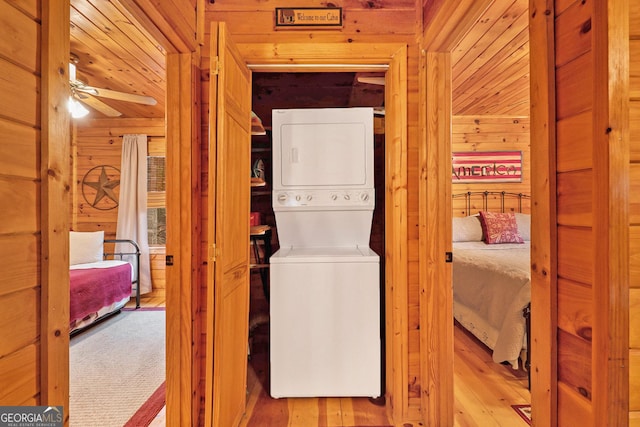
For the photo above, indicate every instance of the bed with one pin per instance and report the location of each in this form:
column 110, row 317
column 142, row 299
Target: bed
column 492, row 279
column 100, row 283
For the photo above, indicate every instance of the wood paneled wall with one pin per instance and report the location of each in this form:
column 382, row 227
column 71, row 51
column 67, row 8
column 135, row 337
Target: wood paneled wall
column 34, row 181
column 98, row 142
column 634, row 214
column 253, row 22
column 492, row 133
column 20, row 185
column 591, row 214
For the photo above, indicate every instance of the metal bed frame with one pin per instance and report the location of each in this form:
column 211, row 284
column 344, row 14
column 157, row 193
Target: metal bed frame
column 484, row 197
column 120, row 255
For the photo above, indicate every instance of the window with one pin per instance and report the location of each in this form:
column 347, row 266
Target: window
column 157, row 226
column 156, row 201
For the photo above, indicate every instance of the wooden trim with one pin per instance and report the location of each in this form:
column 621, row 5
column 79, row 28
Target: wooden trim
column 210, row 234
column 611, row 222
column 544, row 322
column 358, row 56
column 182, row 205
column 55, row 186
column 396, row 297
column 436, row 298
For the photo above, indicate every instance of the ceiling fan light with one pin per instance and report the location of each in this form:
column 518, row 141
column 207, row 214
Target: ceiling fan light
column 72, row 71
column 76, row 109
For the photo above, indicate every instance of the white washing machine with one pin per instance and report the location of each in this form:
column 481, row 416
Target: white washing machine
column 325, row 280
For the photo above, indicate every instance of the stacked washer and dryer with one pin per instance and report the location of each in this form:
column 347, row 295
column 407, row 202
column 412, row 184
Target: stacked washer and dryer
column 325, row 280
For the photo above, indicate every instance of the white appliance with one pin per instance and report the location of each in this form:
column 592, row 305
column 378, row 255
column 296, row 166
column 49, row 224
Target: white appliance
column 325, row 280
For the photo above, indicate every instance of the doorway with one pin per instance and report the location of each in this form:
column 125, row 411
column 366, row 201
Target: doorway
column 451, row 53
column 284, row 90
column 394, row 58
column 125, row 85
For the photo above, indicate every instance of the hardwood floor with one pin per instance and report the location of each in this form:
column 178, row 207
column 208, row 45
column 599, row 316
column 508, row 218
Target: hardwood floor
column 484, row 390
column 145, row 301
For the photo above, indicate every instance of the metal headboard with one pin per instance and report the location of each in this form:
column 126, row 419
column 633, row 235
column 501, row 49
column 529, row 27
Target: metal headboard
column 485, row 195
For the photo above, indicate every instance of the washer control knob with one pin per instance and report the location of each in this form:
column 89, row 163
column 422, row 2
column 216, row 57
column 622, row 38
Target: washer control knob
column 298, row 197
column 364, row 197
column 334, row 197
column 282, row 197
column 347, row 197
column 309, row 197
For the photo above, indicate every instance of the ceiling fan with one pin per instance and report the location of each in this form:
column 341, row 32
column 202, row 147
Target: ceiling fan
column 89, row 95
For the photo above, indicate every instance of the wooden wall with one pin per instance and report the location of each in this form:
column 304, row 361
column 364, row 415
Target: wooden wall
column 98, row 142
column 492, row 133
column 20, row 185
column 634, row 215
column 253, row 22
column 591, row 214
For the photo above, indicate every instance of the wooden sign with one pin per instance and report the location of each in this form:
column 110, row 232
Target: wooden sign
column 471, row 167
column 308, row 17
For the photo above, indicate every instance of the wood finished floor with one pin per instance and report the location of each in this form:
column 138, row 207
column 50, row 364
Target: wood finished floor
column 483, row 390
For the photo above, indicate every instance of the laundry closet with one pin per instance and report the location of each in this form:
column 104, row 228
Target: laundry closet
column 323, row 203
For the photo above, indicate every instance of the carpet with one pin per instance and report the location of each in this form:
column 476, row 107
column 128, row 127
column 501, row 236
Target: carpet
column 115, row 367
column 524, row 411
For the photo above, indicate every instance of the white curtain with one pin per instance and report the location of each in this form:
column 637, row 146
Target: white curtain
column 132, row 208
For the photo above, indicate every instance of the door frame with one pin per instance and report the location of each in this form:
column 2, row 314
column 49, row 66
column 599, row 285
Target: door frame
column 448, row 25
column 352, row 57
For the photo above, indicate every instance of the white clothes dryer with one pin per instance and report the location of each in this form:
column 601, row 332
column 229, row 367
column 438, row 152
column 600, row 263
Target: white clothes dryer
column 325, row 280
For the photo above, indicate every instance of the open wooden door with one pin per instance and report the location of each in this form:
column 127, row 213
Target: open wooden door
column 229, row 171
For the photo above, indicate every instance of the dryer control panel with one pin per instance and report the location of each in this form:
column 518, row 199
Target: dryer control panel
column 325, row 199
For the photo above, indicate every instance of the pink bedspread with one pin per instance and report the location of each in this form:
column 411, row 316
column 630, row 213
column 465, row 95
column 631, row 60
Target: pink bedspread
column 94, row 288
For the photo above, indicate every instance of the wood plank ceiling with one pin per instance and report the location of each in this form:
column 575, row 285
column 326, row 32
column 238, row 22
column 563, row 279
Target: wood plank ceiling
column 114, row 52
column 490, row 66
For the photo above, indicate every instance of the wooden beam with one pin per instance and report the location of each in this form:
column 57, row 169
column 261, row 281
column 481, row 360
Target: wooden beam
column 396, row 317
column 182, row 244
column 436, row 296
column 54, row 206
column 610, row 24
column 543, row 215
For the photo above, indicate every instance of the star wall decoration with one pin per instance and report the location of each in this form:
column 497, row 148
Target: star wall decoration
column 99, row 187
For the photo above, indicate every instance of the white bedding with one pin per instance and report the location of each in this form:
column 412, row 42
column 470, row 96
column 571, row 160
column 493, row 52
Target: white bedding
column 491, row 287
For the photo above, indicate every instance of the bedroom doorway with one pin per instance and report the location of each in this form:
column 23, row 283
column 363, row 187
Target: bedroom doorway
column 490, row 327
column 100, row 143
column 461, row 61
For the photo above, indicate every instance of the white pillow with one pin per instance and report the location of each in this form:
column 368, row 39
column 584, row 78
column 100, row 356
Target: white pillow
column 85, row 246
column 467, row 229
column 524, row 225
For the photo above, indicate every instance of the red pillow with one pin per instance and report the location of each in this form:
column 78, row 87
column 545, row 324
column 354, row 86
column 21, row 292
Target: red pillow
column 500, row 228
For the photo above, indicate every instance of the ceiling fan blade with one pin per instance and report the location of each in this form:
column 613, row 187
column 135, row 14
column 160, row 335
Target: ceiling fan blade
column 98, row 105
column 120, row 96
column 371, row 80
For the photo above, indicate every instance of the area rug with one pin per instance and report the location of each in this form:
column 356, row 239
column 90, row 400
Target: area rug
column 524, row 411
column 115, row 367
